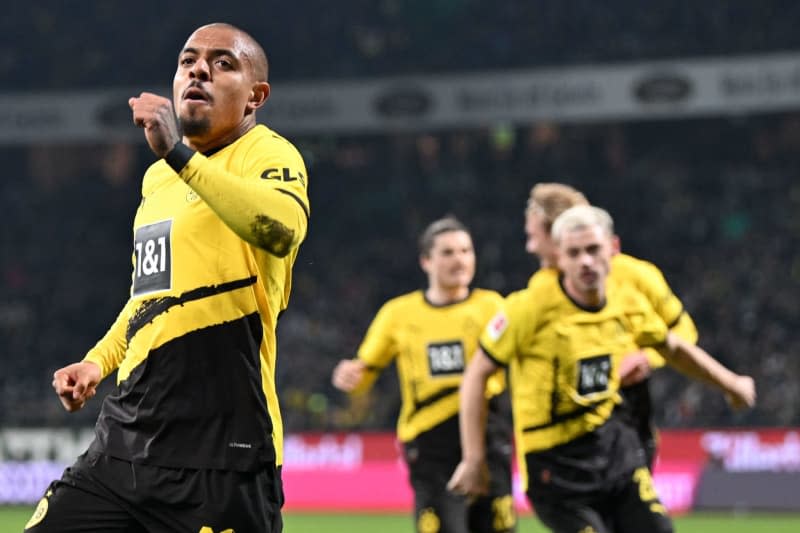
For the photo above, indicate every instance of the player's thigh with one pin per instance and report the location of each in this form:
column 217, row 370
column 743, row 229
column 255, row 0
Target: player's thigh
column 566, row 516
column 212, row 500
column 444, row 512
column 637, row 507
column 436, row 509
column 492, row 514
column 495, row 513
column 254, row 501
column 68, row 508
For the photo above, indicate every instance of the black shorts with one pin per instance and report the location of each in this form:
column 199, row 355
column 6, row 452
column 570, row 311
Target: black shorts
column 102, row 494
column 432, row 458
column 631, row 506
column 637, row 409
column 598, row 481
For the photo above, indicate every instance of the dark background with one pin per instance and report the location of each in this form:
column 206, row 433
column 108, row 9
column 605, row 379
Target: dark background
column 713, row 201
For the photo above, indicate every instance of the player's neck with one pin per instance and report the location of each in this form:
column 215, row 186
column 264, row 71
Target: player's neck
column 546, row 261
column 585, row 298
column 209, row 143
column 446, row 295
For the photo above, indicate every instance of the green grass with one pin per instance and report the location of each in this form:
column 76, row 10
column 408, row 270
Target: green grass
column 13, row 518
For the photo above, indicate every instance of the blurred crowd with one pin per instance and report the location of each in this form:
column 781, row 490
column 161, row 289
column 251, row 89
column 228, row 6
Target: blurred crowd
column 714, row 202
column 67, row 44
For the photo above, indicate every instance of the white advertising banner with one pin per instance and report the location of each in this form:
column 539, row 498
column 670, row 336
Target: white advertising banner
column 647, row 90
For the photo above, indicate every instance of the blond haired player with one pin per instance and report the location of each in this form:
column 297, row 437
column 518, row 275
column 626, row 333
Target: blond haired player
column 546, row 202
column 563, row 339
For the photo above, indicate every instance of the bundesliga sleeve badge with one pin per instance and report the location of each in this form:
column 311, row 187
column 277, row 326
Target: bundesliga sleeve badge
column 497, row 325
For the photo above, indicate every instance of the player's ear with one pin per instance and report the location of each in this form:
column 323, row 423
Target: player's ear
column 616, row 245
column 259, row 94
column 424, row 262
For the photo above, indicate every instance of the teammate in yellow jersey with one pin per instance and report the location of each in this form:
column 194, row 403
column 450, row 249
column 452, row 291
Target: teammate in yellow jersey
column 546, row 202
column 191, row 438
column 564, row 338
column 431, row 335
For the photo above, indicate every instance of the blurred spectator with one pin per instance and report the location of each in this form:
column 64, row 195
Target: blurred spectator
column 737, row 267
column 42, row 49
column 65, row 269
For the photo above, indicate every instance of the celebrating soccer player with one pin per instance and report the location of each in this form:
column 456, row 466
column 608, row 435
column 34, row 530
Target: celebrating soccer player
column 564, row 338
column 191, row 438
column 546, row 202
column 432, row 334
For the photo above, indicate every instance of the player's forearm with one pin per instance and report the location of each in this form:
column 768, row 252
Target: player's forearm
column 269, row 218
column 684, row 328
column 109, row 351
column 472, row 413
column 696, row 363
column 368, row 378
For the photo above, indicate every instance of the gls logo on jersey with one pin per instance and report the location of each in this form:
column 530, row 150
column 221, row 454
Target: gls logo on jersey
column 283, row 174
column 446, row 358
column 593, row 374
column 153, row 251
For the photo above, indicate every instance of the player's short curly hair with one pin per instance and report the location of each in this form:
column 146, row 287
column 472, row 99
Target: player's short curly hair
column 551, row 199
column 445, row 224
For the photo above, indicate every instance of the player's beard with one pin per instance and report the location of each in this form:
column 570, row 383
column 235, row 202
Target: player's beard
column 194, row 127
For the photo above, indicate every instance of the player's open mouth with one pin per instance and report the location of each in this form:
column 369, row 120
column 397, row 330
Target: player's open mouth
column 196, row 94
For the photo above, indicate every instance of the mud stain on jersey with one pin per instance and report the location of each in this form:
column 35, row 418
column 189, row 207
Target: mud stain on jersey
column 271, row 235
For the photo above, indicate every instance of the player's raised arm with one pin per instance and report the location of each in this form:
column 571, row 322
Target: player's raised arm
column 696, row 363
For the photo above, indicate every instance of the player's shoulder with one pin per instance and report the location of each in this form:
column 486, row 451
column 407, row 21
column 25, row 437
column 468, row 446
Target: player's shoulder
column 633, row 268
column 629, row 296
column 544, row 287
column 263, row 134
column 156, row 173
column 528, row 299
column 485, row 295
column 543, row 278
column 628, row 262
column 404, row 302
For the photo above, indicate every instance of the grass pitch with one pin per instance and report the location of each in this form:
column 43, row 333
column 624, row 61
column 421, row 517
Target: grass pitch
column 12, row 519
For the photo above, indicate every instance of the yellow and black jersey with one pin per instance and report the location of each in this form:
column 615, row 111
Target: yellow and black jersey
column 563, row 358
column 431, row 345
column 648, row 279
column 194, row 347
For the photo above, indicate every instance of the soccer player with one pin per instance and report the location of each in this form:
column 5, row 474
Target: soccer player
column 563, row 338
column 191, row 438
column 546, row 202
column 431, row 334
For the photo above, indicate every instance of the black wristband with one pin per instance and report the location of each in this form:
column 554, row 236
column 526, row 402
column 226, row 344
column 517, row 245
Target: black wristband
column 179, row 156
